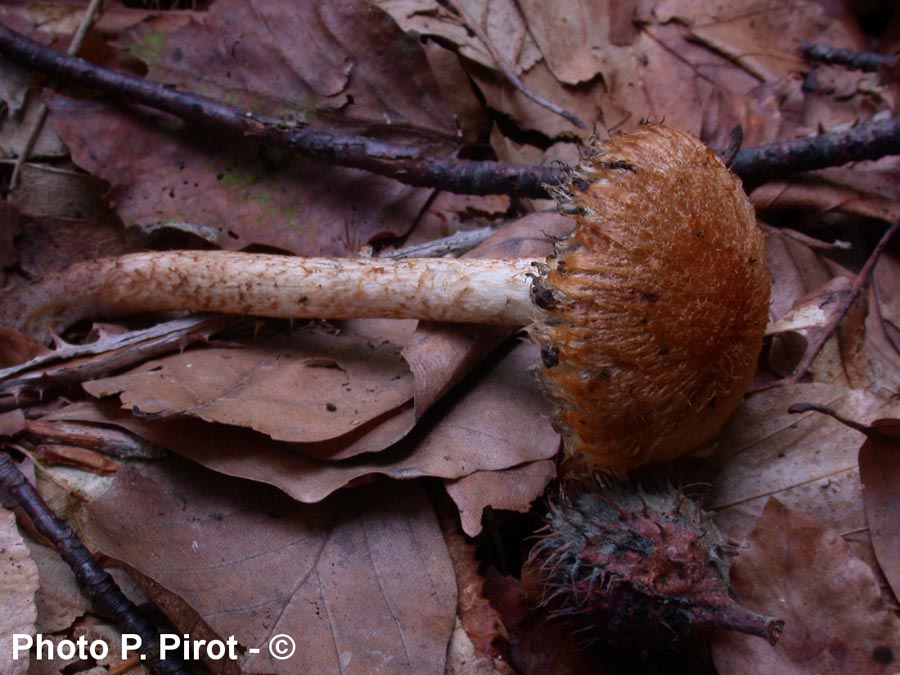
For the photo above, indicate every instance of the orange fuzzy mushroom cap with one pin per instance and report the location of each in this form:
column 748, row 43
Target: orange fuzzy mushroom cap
column 651, row 316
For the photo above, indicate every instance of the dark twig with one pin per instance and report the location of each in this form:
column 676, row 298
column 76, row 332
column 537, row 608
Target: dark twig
column 840, row 311
column 869, row 62
column 93, row 580
column 411, row 164
column 72, row 364
column 871, row 140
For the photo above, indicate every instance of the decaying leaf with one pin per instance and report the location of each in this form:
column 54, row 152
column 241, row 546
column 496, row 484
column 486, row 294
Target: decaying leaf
column 499, row 420
column 362, row 582
column 59, row 599
column 481, row 621
column 835, row 619
column 18, row 584
column 514, row 489
column 311, row 64
column 879, row 471
column 808, row 462
column 307, row 388
column 808, row 290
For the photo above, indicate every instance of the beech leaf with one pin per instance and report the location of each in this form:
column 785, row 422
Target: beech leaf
column 18, row 584
column 836, row 621
column 514, row 489
column 879, row 470
column 499, row 420
column 362, row 582
column 309, row 63
column 311, row 387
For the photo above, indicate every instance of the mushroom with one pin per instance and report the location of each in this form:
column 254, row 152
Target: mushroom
column 650, row 315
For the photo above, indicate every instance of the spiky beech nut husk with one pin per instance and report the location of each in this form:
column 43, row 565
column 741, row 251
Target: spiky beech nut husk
column 639, row 566
column 652, row 316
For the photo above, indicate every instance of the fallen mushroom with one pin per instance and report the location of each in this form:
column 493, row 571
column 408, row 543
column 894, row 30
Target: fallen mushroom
column 650, row 316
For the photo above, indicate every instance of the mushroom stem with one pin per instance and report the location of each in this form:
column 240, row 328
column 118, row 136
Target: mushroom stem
column 467, row 290
column 650, row 316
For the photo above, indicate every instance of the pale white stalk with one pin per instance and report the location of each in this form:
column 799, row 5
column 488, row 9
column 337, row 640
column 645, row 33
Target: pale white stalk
column 460, row 290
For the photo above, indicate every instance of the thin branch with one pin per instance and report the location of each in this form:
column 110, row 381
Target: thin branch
column 454, row 245
column 410, row 165
column 90, row 16
column 506, row 68
column 869, row 62
column 105, row 595
column 871, row 140
column 413, row 165
column 72, row 364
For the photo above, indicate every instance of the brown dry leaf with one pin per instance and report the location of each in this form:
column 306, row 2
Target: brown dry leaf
column 626, row 70
column 18, row 585
column 796, row 268
column 812, row 311
column 742, row 30
column 879, row 470
column 363, row 582
column 95, row 437
column 19, row 109
column 16, row 348
column 62, row 19
column 472, row 119
column 308, row 388
column 495, row 420
column 45, row 191
column 868, row 355
column 865, row 190
column 500, row 19
column 59, row 599
column 61, row 605
column 12, row 422
column 481, row 621
column 463, row 659
column 449, row 213
column 885, row 283
column 338, row 64
column 807, row 286
column 808, row 462
column 49, row 244
column 55, row 454
column 882, row 326
column 498, row 420
column 836, row 622
column 761, row 40
column 514, row 489
column 736, row 62
column 574, row 36
column 440, row 355
column 807, row 321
